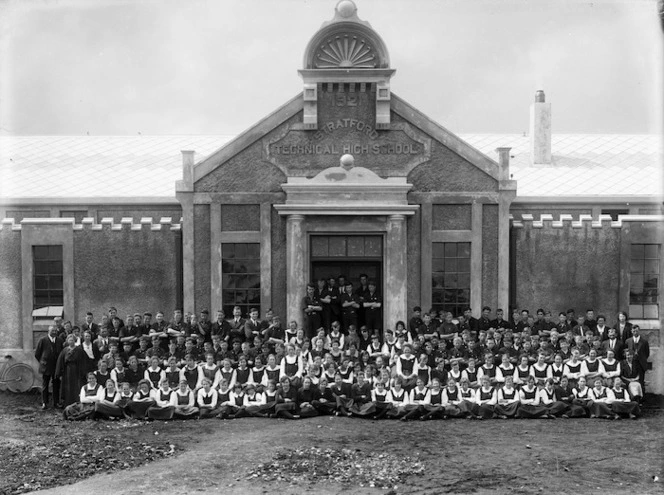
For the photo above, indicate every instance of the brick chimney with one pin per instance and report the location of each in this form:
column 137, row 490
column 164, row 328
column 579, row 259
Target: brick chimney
column 540, row 130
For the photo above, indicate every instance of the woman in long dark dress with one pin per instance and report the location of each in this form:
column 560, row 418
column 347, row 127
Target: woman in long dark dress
column 90, row 353
column 70, row 368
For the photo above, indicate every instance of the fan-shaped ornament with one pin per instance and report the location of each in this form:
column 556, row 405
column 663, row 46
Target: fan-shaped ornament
column 346, row 51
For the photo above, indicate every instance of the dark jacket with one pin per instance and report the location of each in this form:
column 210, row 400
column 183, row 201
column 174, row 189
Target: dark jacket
column 47, row 354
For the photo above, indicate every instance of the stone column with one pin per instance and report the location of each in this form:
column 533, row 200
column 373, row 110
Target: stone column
column 503, row 253
column 184, row 192
column 395, row 298
column 188, row 257
column 296, row 284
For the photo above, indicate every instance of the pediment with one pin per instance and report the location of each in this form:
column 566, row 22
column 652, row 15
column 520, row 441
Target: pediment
column 281, row 141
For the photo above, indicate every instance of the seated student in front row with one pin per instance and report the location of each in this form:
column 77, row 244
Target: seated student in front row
column 141, row 401
column 207, row 400
column 565, row 393
column 400, row 399
column 107, row 407
column 434, row 408
column 530, row 401
column 361, row 395
column 599, row 404
column 620, row 401
column 467, row 403
column 582, row 395
column 287, row 406
column 90, row 394
column 380, row 401
column 411, row 406
column 184, row 402
column 342, row 392
column 252, row 403
column 225, row 400
column 306, row 396
column 450, row 400
column 486, row 399
column 326, row 403
column 508, row 400
column 548, row 399
column 125, row 396
column 162, row 408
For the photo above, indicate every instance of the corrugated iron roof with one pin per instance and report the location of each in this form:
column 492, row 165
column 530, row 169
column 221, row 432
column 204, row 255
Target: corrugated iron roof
column 582, row 164
column 147, row 166
column 96, row 166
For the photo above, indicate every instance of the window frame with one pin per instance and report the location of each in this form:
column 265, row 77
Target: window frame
column 228, row 274
column 639, row 306
column 454, row 273
column 45, row 271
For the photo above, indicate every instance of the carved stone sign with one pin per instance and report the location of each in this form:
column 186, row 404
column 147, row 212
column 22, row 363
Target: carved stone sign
column 392, row 152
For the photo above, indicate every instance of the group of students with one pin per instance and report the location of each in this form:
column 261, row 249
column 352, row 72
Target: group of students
column 414, row 372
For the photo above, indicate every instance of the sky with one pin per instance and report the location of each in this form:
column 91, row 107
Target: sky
column 119, row 67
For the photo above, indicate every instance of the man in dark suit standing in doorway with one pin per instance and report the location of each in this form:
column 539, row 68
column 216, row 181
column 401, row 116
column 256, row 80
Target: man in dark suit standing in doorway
column 47, row 352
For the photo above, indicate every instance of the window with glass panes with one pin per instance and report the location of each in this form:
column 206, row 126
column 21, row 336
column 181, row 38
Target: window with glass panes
column 450, row 278
column 644, row 281
column 47, row 276
column 241, row 277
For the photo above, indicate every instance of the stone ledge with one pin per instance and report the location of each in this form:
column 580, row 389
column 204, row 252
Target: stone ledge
column 546, row 220
column 126, row 223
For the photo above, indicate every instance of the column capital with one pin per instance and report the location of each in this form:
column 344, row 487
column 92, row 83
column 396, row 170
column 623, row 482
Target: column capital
column 295, row 218
column 397, row 218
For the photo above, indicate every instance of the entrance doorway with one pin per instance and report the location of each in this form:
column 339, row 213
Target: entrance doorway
column 350, row 269
column 349, row 255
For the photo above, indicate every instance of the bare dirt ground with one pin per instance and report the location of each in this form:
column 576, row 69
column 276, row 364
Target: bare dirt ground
column 42, row 451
